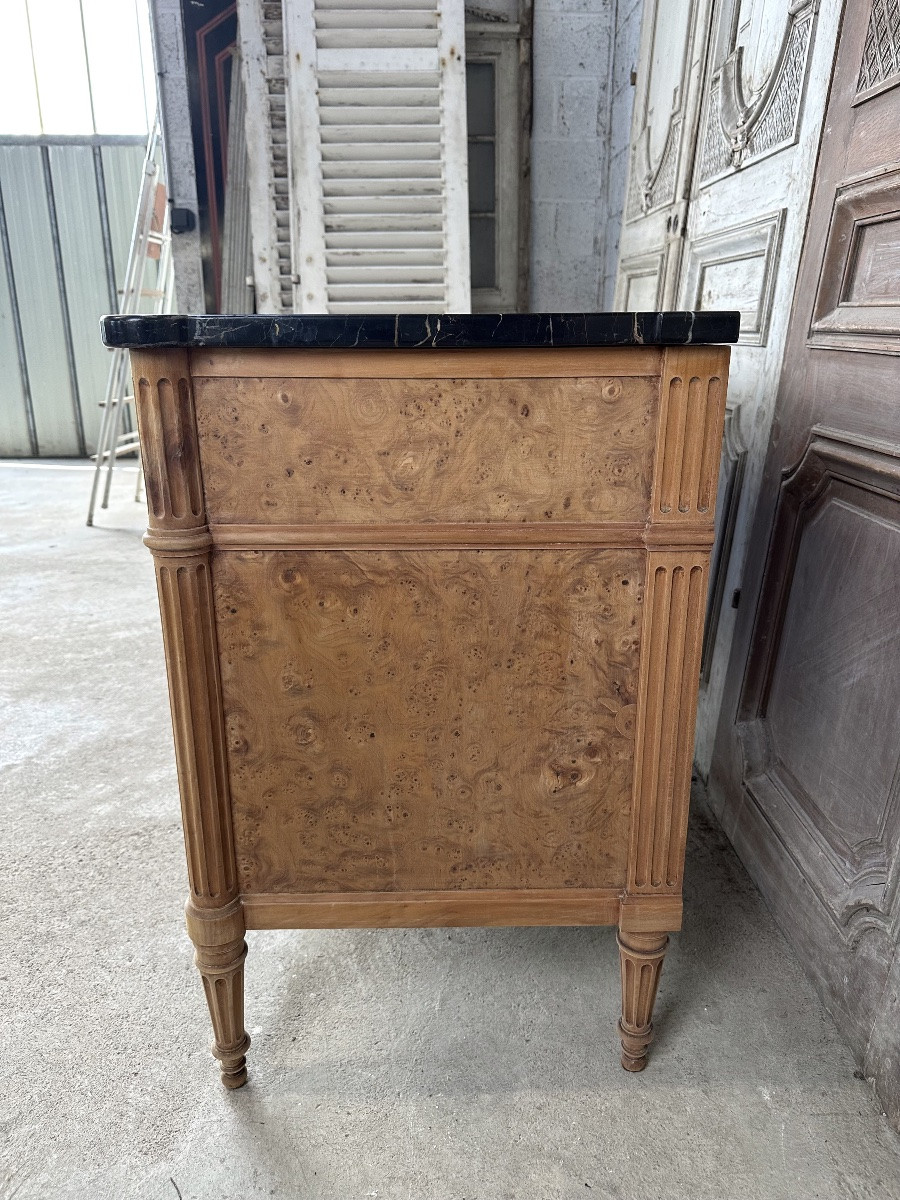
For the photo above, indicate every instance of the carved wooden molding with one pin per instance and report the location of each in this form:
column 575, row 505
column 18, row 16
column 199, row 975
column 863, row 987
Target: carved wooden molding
column 165, row 409
column 641, row 956
column 858, row 298
column 179, row 539
column 186, row 602
column 667, row 706
column 457, row 535
column 830, row 454
column 857, row 883
column 739, row 130
column 655, row 185
column 880, row 65
column 222, row 971
column 651, row 187
column 692, row 413
column 692, row 403
column 728, row 501
column 757, row 241
column 640, row 267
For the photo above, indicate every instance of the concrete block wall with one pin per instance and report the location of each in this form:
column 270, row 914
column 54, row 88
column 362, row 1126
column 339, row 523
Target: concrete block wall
column 584, row 52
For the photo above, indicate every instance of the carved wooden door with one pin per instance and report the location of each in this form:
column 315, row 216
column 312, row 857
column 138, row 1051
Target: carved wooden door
column 663, row 135
column 806, row 770
column 767, row 76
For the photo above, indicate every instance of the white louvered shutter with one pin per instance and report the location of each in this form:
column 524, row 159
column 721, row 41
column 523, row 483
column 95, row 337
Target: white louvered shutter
column 376, row 118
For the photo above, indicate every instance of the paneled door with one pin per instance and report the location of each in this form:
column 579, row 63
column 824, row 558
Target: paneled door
column 663, row 135
column 806, row 769
column 768, row 68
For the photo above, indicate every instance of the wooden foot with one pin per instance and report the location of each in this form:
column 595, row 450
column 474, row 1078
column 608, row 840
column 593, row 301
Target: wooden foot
column 220, row 960
column 641, row 958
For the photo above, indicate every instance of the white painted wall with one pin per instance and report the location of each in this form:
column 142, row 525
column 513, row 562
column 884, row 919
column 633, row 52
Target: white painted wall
column 584, row 51
column 624, row 62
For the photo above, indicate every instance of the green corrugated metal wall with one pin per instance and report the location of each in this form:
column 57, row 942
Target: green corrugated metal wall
column 66, row 213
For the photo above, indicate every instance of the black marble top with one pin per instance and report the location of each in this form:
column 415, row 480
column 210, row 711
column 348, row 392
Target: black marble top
column 415, row 332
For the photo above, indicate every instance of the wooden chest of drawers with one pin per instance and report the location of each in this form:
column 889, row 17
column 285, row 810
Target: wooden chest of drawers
column 432, row 605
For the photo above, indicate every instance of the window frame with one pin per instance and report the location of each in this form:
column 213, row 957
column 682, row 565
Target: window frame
column 508, row 46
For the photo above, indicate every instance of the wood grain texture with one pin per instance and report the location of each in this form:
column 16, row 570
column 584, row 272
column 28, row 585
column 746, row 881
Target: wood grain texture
column 620, row 362
column 401, row 910
column 653, row 913
column 435, row 535
column 443, row 719
column 365, row 451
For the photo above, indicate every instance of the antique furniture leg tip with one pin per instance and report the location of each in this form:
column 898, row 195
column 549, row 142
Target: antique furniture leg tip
column 233, row 1064
column 635, row 1044
column 234, row 1079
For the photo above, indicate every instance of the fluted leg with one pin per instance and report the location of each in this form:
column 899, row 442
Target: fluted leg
column 220, row 960
column 641, row 958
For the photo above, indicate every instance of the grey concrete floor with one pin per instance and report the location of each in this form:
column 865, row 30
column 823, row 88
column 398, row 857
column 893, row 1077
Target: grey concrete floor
column 420, row 1064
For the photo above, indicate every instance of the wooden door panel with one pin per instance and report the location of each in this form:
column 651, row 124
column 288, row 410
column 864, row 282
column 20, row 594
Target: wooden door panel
column 806, row 770
column 767, row 70
column 740, row 264
column 663, row 134
column 858, row 299
column 821, row 720
column 834, row 672
column 756, row 112
column 879, row 66
column 657, row 148
column 640, row 282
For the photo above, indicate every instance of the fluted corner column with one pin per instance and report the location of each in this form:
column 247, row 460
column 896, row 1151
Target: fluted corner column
column 641, row 958
column 179, row 538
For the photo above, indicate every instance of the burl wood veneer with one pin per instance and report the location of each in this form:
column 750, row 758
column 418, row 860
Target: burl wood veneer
column 432, row 623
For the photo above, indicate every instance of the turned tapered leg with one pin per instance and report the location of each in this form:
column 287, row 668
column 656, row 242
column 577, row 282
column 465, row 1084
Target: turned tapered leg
column 641, row 958
column 218, row 935
column 223, row 981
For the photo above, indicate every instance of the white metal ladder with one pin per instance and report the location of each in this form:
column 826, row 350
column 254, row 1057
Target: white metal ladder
column 115, row 438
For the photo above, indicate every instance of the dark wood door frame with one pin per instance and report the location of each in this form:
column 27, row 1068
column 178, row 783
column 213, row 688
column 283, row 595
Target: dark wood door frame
column 806, row 773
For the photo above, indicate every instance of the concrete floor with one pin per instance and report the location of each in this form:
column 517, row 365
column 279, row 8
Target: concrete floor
column 463, row 1064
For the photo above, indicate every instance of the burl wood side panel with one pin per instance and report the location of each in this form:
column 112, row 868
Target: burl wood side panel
column 430, row 719
column 302, row 451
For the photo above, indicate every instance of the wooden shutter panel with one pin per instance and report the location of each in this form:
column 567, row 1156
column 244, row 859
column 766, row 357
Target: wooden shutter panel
column 262, row 72
column 376, row 122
